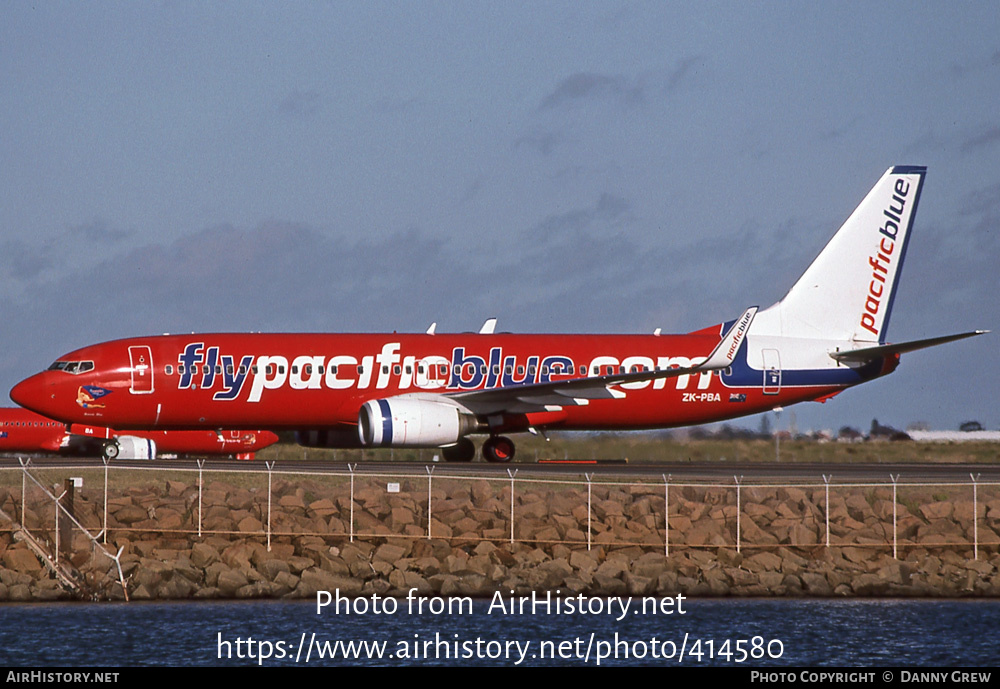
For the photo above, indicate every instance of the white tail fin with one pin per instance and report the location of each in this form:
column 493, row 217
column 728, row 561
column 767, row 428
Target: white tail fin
column 847, row 292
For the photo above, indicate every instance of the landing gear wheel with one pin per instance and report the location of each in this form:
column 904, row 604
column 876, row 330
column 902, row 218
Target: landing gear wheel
column 463, row 451
column 498, row 448
column 111, row 449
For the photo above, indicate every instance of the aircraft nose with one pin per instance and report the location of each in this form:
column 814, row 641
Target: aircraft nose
column 32, row 394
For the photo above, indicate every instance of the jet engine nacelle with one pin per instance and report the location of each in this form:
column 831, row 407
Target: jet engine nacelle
column 403, row 422
column 130, row 447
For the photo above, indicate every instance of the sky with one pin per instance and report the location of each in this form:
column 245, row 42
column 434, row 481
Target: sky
column 561, row 166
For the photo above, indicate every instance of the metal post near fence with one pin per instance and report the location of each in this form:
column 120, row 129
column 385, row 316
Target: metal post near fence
column 24, row 471
column 430, row 480
column 201, row 488
column 104, row 524
column 56, row 503
column 666, row 515
column 512, row 475
column 975, row 515
column 738, row 505
column 826, row 508
column 894, row 480
column 351, row 468
column 589, row 496
column 270, row 466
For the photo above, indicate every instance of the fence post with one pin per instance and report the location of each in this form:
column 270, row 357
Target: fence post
column 894, row 480
column 69, row 492
column 201, row 487
column 512, row 474
column 738, row 505
column 826, row 508
column 666, row 515
column 104, row 524
column 56, row 503
column 430, row 479
column 351, row 469
column 589, row 497
column 24, row 471
column 975, row 515
column 269, row 465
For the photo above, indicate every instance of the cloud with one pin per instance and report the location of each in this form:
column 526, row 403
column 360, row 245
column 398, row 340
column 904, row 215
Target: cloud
column 23, row 261
column 985, row 139
column 300, row 104
column 97, row 230
column 586, row 86
column 543, row 142
column 681, row 72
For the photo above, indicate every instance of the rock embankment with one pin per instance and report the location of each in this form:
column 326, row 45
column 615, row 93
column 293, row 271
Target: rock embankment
column 314, row 535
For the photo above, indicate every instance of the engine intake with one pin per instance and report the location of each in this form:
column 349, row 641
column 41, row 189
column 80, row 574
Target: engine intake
column 401, row 422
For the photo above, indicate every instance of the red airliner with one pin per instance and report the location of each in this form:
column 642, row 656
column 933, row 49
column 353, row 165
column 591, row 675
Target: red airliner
column 25, row 431
column 436, row 390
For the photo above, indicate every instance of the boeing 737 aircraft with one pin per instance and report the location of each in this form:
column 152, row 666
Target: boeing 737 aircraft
column 25, row 431
column 435, row 390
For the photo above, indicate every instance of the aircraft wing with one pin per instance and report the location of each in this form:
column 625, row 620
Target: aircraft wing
column 552, row 396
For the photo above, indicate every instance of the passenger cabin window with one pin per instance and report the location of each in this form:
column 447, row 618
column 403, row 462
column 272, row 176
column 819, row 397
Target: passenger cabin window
column 168, row 369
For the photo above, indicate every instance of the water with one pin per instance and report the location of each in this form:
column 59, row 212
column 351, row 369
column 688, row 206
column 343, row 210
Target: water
column 796, row 633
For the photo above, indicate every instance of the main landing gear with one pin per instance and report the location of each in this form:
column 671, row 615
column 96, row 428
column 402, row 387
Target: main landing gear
column 462, row 451
column 496, row 448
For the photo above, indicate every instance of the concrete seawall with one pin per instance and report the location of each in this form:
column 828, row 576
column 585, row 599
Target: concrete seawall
column 238, row 539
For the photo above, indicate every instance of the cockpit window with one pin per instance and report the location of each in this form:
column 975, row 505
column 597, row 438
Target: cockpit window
column 74, row 367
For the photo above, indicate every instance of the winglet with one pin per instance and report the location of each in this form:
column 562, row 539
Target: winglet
column 430, row 330
column 725, row 352
column 488, row 327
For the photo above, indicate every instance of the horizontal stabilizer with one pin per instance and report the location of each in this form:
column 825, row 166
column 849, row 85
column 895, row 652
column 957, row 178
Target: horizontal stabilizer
column 869, row 353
